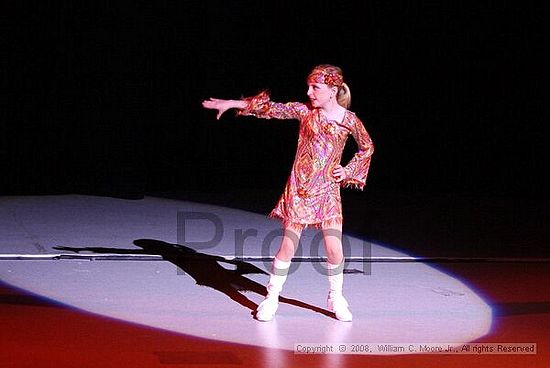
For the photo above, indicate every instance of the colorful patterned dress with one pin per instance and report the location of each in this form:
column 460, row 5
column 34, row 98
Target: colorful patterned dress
column 311, row 196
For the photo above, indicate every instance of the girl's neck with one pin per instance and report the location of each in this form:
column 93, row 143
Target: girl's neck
column 331, row 108
column 333, row 111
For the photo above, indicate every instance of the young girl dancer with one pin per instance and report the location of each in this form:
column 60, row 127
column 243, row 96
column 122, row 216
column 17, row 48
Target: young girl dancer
column 312, row 193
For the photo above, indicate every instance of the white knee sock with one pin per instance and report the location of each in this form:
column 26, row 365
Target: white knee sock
column 279, row 272
column 336, row 301
column 335, row 279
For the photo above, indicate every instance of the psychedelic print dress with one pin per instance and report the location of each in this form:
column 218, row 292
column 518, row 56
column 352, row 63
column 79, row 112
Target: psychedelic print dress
column 311, row 196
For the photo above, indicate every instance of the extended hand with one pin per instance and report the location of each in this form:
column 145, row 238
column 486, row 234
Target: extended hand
column 217, row 104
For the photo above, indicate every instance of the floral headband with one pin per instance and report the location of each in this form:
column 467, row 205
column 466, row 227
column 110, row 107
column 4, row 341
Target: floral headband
column 326, row 77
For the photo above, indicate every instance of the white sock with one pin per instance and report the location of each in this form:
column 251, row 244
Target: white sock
column 335, row 278
column 279, row 272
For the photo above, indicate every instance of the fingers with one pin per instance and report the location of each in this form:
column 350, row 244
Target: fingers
column 214, row 104
column 211, row 103
column 338, row 170
column 339, row 174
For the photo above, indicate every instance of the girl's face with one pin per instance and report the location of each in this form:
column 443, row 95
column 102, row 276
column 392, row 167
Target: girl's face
column 319, row 94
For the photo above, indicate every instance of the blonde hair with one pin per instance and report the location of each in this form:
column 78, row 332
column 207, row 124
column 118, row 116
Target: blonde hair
column 343, row 96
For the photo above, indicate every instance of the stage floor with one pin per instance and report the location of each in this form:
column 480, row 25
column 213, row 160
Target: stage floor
column 99, row 281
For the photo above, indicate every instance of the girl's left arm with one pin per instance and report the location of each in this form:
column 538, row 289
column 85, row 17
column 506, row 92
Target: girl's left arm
column 358, row 167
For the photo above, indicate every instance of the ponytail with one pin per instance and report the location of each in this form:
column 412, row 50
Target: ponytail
column 344, row 96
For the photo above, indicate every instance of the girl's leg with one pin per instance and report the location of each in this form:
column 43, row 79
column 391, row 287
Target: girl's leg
column 289, row 243
column 267, row 308
column 332, row 236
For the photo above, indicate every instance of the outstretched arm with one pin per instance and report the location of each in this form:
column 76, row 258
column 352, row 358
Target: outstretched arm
column 259, row 106
column 223, row 105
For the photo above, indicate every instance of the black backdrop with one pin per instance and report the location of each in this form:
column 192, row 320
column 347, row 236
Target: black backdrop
column 104, row 96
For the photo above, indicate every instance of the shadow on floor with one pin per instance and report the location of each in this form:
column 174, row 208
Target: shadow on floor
column 207, row 270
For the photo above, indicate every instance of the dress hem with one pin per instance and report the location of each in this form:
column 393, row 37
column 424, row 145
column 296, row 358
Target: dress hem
column 338, row 221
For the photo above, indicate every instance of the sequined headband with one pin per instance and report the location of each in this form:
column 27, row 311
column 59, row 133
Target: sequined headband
column 323, row 76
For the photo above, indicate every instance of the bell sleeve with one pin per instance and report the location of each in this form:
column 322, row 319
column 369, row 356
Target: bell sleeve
column 261, row 106
column 357, row 168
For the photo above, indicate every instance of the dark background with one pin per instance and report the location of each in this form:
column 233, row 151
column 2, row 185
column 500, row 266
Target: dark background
column 104, row 97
